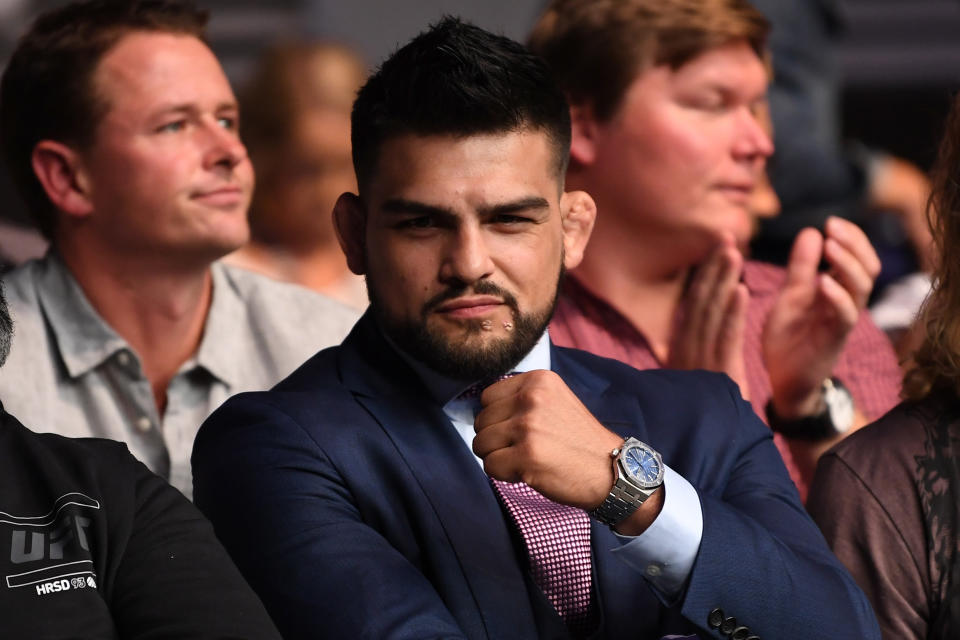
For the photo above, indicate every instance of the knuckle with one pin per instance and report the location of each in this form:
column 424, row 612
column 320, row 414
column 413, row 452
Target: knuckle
column 532, row 396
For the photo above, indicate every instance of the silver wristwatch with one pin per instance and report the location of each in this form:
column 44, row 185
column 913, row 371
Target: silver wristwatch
column 836, row 417
column 637, row 473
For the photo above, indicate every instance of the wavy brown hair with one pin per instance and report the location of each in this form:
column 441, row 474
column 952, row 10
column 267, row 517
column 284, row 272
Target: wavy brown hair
column 936, row 363
column 596, row 48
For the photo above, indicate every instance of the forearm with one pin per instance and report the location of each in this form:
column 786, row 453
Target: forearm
column 770, row 577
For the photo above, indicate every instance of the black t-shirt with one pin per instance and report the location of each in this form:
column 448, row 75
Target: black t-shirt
column 94, row 545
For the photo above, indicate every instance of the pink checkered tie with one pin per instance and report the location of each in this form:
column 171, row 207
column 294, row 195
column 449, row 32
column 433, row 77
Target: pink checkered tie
column 558, row 543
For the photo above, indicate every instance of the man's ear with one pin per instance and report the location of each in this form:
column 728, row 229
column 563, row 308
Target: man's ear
column 584, row 130
column 350, row 223
column 60, row 170
column 578, row 213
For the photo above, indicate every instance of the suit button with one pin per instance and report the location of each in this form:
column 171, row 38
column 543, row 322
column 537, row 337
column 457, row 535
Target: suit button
column 728, row 625
column 740, row 633
column 715, row 619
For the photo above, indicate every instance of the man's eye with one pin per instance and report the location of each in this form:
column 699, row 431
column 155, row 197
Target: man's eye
column 712, row 104
column 420, row 222
column 711, row 101
column 228, row 123
column 172, row 127
column 506, row 218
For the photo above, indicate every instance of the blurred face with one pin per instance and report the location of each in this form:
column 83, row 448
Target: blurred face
column 679, row 160
column 301, row 179
column 302, row 186
column 463, row 247
column 167, row 170
column 764, row 202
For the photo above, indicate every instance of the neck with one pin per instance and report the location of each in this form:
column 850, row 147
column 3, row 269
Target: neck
column 160, row 311
column 631, row 274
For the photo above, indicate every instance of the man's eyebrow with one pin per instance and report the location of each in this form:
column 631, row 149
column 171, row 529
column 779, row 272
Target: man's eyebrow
column 188, row 107
column 523, row 204
column 401, row 205
column 174, row 108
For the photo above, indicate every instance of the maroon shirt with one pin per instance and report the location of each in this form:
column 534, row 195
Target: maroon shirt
column 868, row 366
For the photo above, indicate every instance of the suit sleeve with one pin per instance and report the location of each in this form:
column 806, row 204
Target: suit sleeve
column 762, row 561
column 174, row 579
column 284, row 512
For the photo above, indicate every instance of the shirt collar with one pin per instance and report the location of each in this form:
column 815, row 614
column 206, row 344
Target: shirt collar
column 83, row 339
column 444, row 388
column 218, row 350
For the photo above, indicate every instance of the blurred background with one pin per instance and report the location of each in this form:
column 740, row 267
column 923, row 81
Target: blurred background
column 892, row 65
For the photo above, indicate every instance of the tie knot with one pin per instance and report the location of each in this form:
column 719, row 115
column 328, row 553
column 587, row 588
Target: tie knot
column 476, row 390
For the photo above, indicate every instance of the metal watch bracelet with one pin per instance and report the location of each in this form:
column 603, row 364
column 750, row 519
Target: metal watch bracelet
column 618, row 506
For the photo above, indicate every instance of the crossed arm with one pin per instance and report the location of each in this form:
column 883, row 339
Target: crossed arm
column 290, row 519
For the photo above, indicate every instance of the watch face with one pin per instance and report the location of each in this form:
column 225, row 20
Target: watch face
column 839, row 405
column 643, row 465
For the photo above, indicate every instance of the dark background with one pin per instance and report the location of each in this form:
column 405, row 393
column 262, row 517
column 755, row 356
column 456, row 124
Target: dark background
column 900, row 59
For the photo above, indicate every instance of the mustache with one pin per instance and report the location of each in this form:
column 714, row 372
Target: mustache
column 481, row 287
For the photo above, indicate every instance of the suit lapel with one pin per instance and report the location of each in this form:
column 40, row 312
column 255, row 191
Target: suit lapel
column 449, row 476
column 624, row 599
column 464, row 503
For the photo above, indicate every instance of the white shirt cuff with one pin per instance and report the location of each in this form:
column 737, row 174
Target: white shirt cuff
column 666, row 551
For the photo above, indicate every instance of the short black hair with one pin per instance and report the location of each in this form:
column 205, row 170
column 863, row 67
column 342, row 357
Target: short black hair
column 47, row 88
column 457, row 79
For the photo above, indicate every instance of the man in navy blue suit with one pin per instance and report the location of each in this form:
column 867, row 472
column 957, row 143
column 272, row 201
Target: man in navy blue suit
column 448, row 473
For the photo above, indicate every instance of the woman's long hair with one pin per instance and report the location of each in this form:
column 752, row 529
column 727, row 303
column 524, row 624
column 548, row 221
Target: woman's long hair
column 937, row 362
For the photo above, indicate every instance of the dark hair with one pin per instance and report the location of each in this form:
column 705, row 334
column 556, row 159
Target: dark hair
column 596, row 48
column 47, row 90
column 457, row 79
column 936, row 363
column 6, row 327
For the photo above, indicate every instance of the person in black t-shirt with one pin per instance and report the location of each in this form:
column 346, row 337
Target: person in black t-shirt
column 94, row 545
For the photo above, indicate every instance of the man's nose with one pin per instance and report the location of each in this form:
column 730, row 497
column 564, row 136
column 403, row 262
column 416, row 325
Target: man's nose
column 467, row 257
column 753, row 141
column 223, row 146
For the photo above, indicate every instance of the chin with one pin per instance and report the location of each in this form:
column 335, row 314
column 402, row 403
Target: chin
column 212, row 248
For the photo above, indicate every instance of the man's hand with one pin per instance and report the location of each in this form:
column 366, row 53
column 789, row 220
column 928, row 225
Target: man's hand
column 533, row 429
column 710, row 334
column 809, row 323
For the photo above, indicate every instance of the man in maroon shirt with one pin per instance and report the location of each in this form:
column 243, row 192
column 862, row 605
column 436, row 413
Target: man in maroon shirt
column 664, row 102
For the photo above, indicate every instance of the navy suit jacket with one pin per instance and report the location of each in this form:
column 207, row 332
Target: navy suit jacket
column 355, row 510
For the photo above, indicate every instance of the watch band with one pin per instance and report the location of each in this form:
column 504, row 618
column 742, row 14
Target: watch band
column 816, row 427
column 625, row 497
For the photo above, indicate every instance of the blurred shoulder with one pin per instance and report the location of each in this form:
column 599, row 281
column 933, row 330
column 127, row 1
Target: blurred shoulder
column 21, row 284
column 269, row 301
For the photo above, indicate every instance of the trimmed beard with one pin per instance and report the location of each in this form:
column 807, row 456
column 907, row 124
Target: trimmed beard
column 458, row 359
column 6, row 327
